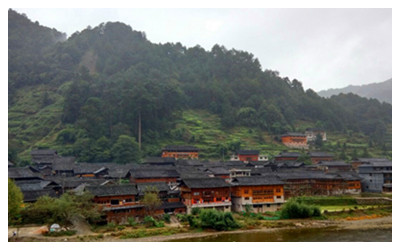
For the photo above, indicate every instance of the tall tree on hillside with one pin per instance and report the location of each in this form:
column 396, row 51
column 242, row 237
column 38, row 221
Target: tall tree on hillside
column 125, row 150
column 15, row 199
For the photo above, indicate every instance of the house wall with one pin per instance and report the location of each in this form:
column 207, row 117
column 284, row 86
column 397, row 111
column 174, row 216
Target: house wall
column 372, row 182
column 145, row 180
column 295, row 141
column 247, row 158
column 315, row 160
column 217, row 198
column 260, row 198
column 278, row 158
column 180, row 155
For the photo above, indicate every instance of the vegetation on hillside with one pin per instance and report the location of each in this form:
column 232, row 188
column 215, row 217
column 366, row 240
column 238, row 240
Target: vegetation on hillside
column 109, row 85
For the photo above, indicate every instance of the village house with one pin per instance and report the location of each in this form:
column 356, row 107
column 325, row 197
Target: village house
column 246, row 155
column 180, row 152
column 261, row 193
column 295, row 140
column 311, row 134
column 334, row 166
column 118, row 202
column 376, row 176
column 43, row 157
column 170, row 197
column 33, row 189
column 206, row 193
column 287, row 156
column 141, row 175
column 320, row 156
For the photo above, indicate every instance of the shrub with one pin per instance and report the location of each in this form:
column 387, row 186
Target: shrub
column 151, row 222
column 217, row 220
column 111, row 226
column 131, row 222
column 182, row 217
column 293, row 210
column 167, row 218
column 195, row 211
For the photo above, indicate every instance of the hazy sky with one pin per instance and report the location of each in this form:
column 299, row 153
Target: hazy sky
column 323, row 48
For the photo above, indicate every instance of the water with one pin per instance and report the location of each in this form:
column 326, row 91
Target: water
column 301, row 235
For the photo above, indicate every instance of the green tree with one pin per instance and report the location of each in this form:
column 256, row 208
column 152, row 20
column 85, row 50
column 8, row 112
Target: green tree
column 15, row 200
column 125, row 150
column 151, row 200
column 318, row 141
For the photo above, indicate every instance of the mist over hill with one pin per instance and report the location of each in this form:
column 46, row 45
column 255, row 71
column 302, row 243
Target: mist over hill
column 381, row 91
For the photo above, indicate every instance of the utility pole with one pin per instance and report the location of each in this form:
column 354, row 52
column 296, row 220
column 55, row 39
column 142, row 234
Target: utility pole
column 140, row 131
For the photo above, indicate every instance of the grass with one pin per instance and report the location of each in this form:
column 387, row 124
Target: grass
column 346, row 207
column 369, row 213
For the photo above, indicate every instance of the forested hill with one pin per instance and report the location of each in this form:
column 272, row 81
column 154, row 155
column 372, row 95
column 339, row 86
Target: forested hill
column 88, row 95
column 381, row 91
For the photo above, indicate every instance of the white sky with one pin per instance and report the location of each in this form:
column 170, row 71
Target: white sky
column 323, row 48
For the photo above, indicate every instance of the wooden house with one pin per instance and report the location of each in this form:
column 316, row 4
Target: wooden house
column 287, row 156
column 247, row 155
column 170, row 198
column 141, row 175
column 261, row 193
column 320, row 156
column 118, row 202
column 206, row 193
column 312, row 133
column 295, row 140
column 43, row 157
column 180, row 152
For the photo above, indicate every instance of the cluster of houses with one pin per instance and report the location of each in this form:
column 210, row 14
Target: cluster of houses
column 302, row 140
column 183, row 182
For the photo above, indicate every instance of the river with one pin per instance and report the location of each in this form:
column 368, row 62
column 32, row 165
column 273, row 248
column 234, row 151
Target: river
column 301, row 235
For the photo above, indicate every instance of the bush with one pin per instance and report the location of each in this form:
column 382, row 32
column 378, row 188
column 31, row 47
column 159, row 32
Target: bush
column 167, row 218
column 111, row 226
column 195, row 211
column 151, row 222
column 131, row 222
column 217, row 220
column 182, row 217
column 294, row 210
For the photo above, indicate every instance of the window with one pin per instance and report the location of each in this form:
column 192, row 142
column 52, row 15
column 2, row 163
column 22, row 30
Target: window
column 268, row 205
column 128, row 200
column 247, row 198
column 278, row 190
column 246, row 191
column 278, row 197
column 114, row 202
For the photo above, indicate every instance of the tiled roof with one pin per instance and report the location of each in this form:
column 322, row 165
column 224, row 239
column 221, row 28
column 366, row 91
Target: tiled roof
column 248, row 152
column 184, row 148
column 31, row 196
column 257, row 181
column 22, row 173
column 320, row 154
column 64, row 163
column 155, row 173
column 112, row 190
column 160, row 186
column 289, row 154
column 294, row 134
column 205, row 183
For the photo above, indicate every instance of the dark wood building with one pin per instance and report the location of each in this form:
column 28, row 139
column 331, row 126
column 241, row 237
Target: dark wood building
column 206, row 193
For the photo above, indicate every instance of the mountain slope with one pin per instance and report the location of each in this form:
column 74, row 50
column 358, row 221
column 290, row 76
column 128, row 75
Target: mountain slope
column 109, row 81
column 381, row 91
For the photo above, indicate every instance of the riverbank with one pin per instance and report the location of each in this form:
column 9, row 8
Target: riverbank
column 353, row 223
